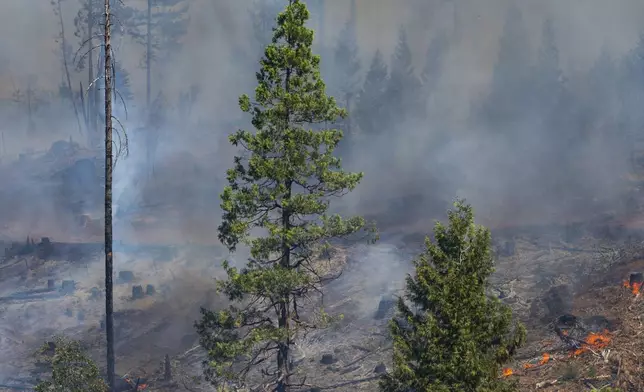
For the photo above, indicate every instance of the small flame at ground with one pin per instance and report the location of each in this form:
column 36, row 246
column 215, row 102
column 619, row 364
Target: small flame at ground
column 594, row 340
column 507, row 372
column 141, row 387
column 635, row 287
column 545, row 357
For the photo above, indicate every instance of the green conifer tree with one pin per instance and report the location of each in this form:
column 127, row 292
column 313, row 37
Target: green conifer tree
column 450, row 335
column 72, row 369
column 404, row 91
column 370, row 108
column 280, row 186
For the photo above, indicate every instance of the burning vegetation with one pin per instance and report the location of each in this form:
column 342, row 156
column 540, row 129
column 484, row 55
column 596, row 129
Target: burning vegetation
column 591, row 352
column 634, row 283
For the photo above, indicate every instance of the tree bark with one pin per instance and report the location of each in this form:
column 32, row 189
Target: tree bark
column 109, row 325
column 284, row 316
column 285, row 304
column 91, row 84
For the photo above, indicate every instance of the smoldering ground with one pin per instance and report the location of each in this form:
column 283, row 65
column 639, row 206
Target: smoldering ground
column 531, row 124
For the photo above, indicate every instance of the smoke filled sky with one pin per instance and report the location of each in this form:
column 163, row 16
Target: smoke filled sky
column 583, row 27
column 443, row 155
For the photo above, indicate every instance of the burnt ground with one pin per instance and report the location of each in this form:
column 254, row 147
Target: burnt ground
column 542, row 270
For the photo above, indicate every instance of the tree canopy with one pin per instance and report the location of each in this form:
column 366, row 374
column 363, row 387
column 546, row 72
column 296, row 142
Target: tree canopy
column 449, row 334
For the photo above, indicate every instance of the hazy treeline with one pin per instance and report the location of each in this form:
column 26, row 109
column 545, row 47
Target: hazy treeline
column 536, row 134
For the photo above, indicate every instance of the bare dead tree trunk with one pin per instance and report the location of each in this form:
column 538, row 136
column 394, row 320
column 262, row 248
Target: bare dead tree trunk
column 109, row 326
column 167, row 371
column 63, row 45
column 91, row 83
column 148, row 57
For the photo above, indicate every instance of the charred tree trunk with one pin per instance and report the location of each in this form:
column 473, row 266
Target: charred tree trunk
column 84, row 107
column 91, row 84
column 167, row 371
column 148, row 56
column 109, row 325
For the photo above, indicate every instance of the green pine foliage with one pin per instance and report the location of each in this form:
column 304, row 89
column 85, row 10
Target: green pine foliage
column 72, row 369
column 280, row 187
column 450, row 335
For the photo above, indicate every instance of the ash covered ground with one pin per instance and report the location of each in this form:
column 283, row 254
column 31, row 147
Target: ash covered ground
column 51, row 288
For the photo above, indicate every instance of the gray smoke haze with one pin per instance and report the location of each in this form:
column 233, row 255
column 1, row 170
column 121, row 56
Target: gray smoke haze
column 448, row 153
column 529, row 110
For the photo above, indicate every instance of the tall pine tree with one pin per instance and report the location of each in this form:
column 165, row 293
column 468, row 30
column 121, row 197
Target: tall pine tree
column 404, row 88
column 159, row 28
column 434, row 63
column 449, row 334
column 507, row 101
column 346, row 76
column 280, row 186
column 371, row 105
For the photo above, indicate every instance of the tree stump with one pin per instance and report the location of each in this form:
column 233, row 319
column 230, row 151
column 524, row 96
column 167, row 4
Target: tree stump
column 167, row 369
column 95, row 294
column 328, row 359
column 137, row 292
column 68, row 286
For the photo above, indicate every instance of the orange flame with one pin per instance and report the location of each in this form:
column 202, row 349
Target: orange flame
column 507, row 372
column 141, row 387
column 545, row 357
column 635, row 287
column 594, row 340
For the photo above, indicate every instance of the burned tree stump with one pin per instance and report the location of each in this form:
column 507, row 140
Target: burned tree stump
column 137, row 292
column 68, row 286
column 558, row 300
column 95, row 294
column 150, row 290
column 126, row 276
column 328, row 359
column 167, row 369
